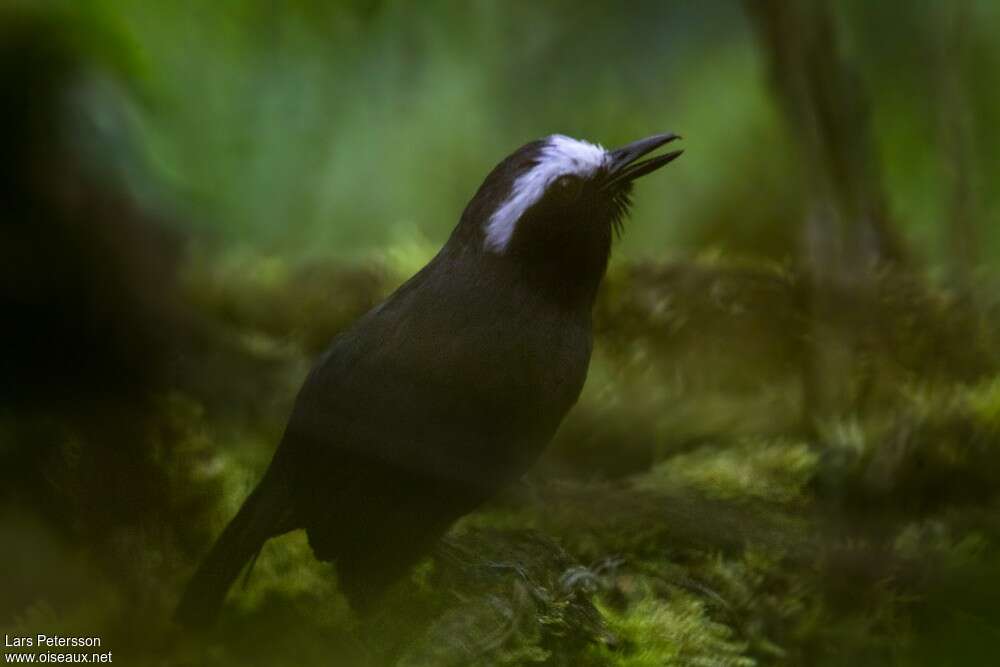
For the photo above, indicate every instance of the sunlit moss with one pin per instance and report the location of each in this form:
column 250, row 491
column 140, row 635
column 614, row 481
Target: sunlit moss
column 755, row 469
column 677, row 630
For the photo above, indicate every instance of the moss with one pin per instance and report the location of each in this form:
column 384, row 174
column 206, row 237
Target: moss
column 940, row 446
column 755, row 469
column 677, row 630
column 679, row 520
column 273, row 303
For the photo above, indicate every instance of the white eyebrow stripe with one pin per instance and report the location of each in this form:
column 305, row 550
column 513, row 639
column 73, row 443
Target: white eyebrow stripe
column 561, row 155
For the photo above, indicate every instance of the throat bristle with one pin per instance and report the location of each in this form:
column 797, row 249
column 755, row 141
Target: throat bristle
column 621, row 205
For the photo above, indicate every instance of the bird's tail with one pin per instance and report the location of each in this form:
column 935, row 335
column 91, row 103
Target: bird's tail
column 263, row 515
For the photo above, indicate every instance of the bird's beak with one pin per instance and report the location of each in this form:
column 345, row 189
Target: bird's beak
column 623, row 167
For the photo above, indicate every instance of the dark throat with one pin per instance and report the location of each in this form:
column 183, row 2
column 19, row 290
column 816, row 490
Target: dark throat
column 566, row 269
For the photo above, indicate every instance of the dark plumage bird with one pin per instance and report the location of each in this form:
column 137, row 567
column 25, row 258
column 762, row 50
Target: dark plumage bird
column 451, row 388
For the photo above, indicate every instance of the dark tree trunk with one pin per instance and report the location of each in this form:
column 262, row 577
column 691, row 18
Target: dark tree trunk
column 846, row 234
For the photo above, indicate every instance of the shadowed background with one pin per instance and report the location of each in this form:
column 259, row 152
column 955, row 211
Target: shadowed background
column 788, row 448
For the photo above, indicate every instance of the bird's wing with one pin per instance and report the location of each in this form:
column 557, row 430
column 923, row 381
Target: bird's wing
column 447, row 383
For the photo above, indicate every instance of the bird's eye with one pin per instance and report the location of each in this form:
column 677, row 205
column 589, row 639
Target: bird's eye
column 568, row 187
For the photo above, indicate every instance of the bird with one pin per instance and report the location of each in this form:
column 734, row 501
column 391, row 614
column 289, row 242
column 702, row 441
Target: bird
column 437, row 398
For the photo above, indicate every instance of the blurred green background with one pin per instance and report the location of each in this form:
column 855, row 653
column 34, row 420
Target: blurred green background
column 788, row 449
column 337, row 127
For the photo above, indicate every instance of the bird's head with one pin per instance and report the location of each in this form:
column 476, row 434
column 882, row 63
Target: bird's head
column 554, row 205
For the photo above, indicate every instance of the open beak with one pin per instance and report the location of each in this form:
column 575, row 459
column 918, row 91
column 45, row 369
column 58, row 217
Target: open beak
column 624, row 168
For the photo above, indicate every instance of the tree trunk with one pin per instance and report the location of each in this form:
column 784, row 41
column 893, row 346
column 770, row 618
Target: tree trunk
column 846, row 234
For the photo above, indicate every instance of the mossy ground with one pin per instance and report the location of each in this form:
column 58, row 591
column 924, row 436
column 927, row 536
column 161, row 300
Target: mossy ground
column 689, row 512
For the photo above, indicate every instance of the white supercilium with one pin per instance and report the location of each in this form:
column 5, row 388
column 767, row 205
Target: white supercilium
column 561, row 155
